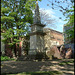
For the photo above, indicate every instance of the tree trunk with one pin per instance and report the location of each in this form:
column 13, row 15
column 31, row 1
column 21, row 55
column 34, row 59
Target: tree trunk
column 15, row 50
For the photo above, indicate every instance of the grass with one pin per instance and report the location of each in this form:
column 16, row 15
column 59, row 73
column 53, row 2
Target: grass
column 66, row 62
column 37, row 73
column 5, row 58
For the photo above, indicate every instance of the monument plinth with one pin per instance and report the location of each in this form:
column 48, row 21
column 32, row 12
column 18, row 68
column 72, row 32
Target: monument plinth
column 36, row 34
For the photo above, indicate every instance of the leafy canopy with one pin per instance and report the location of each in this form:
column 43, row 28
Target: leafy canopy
column 16, row 16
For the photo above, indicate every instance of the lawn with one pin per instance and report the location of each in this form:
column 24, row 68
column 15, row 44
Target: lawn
column 36, row 73
column 66, row 63
column 52, row 67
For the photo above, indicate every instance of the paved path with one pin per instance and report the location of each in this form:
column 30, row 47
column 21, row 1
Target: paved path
column 32, row 66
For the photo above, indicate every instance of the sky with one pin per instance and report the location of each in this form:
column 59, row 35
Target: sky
column 55, row 14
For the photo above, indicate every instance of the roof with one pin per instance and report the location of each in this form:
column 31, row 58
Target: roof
column 53, row 30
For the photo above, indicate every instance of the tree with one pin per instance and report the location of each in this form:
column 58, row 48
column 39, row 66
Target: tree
column 61, row 5
column 70, row 24
column 46, row 18
column 68, row 12
column 16, row 15
column 25, row 46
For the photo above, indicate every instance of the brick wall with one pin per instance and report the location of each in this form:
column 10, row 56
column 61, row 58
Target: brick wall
column 57, row 36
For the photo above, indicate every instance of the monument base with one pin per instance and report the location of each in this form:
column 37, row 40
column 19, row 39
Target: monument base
column 36, row 55
column 32, row 52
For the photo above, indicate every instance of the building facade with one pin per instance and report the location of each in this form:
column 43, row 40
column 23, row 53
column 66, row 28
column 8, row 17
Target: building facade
column 52, row 37
column 55, row 36
column 68, row 42
column 66, row 34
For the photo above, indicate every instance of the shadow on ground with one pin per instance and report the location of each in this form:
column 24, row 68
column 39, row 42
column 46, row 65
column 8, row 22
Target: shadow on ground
column 54, row 66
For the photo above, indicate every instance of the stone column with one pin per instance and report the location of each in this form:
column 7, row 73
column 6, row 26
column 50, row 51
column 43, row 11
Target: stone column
column 36, row 34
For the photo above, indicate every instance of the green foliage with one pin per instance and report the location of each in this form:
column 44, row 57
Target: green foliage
column 5, row 58
column 70, row 18
column 7, row 19
column 37, row 73
column 5, row 10
column 16, row 16
column 66, row 62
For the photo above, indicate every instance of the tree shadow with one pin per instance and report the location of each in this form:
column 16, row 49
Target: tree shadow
column 34, row 66
column 35, row 73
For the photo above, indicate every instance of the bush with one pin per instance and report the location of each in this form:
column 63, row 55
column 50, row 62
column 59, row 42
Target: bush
column 5, row 58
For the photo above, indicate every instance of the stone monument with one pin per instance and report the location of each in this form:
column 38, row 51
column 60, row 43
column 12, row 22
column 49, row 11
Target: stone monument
column 36, row 34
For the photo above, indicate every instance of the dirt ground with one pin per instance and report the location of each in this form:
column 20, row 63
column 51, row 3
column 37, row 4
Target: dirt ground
column 33, row 66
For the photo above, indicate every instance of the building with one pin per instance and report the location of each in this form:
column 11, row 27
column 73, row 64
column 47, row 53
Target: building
column 57, row 37
column 67, row 41
column 52, row 37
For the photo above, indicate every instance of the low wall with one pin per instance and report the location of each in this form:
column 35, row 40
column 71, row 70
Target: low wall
column 70, row 45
